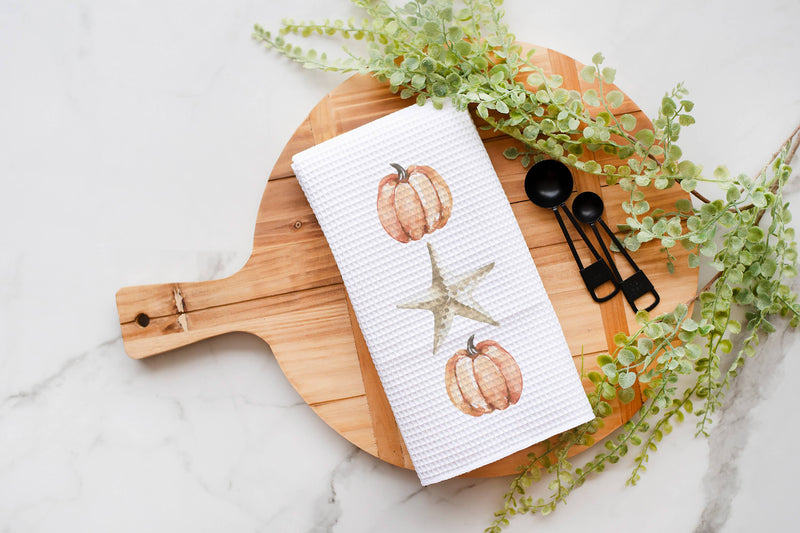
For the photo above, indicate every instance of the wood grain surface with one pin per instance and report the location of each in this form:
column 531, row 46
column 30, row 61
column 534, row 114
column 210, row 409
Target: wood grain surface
column 290, row 292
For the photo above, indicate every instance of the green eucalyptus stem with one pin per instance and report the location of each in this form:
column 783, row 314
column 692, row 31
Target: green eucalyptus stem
column 658, row 433
column 793, row 141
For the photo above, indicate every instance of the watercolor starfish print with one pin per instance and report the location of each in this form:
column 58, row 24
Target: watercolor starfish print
column 450, row 296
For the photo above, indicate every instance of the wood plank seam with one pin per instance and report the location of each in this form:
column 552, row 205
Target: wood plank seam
column 241, row 301
column 326, row 402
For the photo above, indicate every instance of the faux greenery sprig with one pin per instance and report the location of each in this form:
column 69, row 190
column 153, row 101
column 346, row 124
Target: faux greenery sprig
column 463, row 52
column 674, row 345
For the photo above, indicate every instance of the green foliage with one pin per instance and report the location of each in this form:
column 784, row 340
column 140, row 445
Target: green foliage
column 463, row 52
column 443, row 50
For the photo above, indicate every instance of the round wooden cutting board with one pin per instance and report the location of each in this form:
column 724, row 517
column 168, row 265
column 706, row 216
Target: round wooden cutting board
column 290, row 292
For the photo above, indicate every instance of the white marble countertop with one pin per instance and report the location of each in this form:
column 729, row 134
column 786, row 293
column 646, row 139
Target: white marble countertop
column 135, row 140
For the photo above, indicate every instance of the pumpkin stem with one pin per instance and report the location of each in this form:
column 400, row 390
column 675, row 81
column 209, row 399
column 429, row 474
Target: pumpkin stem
column 401, row 172
column 471, row 347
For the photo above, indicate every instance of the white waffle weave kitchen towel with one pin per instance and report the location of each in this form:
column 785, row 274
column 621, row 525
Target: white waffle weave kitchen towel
column 463, row 336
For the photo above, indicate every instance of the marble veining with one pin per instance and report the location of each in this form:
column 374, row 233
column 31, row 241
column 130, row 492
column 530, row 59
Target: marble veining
column 328, row 512
column 728, row 439
column 754, row 386
column 33, row 392
column 136, row 142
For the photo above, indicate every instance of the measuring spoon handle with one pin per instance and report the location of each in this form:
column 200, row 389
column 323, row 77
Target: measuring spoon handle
column 568, row 238
column 595, row 274
column 618, row 244
column 636, row 285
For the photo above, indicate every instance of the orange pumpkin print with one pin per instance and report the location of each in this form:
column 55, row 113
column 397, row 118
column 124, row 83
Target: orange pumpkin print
column 413, row 202
column 483, row 378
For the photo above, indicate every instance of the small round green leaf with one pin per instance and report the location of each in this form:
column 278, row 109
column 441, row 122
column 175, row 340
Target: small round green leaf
column 627, row 379
column 628, row 122
column 615, row 98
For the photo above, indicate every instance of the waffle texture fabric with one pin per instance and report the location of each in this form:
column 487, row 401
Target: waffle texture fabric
column 428, row 266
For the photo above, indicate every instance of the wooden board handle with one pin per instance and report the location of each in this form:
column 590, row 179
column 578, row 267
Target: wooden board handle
column 157, row 318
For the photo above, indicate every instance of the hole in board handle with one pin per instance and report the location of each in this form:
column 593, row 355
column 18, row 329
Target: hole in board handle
column 143, row 320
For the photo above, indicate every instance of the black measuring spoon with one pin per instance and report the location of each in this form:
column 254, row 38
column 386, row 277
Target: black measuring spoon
column 588, row 208
column 548, row 184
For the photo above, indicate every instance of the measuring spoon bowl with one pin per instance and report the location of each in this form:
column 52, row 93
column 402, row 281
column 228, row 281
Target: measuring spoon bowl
column 548, row 183
column 588, row 207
